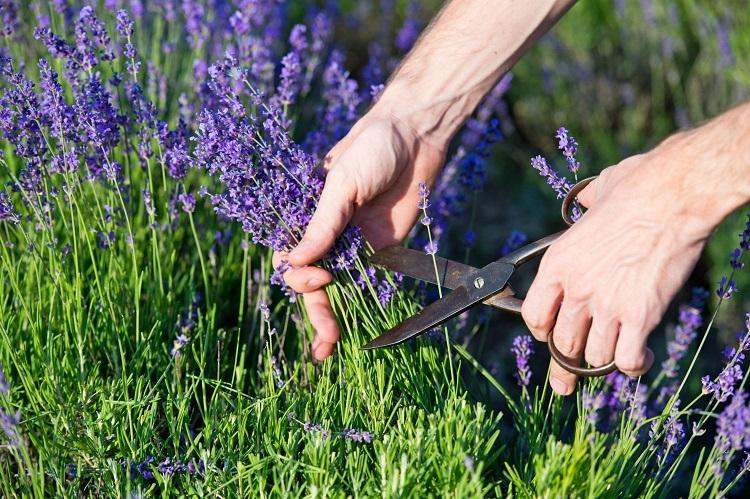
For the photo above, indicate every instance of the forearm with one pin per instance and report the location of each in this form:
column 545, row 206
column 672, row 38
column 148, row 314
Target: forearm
column 468, row 47
column 711, row 166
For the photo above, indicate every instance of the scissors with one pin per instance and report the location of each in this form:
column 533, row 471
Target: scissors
column 472, row 286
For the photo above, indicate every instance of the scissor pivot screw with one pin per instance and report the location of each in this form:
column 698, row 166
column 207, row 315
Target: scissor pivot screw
column 478, row 282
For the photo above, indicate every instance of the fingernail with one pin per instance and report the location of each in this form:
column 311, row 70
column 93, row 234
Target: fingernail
column 560, row 387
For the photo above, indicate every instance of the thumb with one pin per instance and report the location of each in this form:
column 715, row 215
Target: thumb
column 588, row 196
column 335, row 209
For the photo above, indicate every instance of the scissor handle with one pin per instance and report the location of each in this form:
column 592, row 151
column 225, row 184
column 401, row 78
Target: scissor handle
column 570, row 198
column 526, row 253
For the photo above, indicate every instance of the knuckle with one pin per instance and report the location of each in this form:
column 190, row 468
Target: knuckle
column 567, row 345
column 530, row 315
column 630, row 363
column 596, row 356
column 550, row 261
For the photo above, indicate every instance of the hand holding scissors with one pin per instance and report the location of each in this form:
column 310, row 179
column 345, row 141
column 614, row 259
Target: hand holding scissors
column 471, row 286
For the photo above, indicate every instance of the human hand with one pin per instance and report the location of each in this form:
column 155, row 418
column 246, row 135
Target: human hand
column 605, row 284
column 373, row 177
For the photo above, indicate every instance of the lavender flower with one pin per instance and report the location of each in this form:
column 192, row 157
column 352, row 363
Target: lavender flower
column 569, row 147
column 431, row 248
column 625, row 394
column 9, row 426
column 166, row 467
column 148, row 202
column 745, row 236
column 735, row 259
column 522, row 349
column 356, row 435
column 515, row 240
column 726, row 288
column 4, row 386
column 360, row 436
column 593, row 402
column 8, row 17
column 187, row 201
column 179, row 342
column 375, row 91
column 690, row 321
column 125, row 26
column 291, row 70
column 733, row 426
column 722, row 387
column 194, row 22
column 7, row 212
column 468, row 463
column 342, row 99
column 673, row 432
column 265, row 312
column 465, row 171
column 559, row 184
column 271, row 186
column 409, row 31
column 724, row 44
column 291, row 77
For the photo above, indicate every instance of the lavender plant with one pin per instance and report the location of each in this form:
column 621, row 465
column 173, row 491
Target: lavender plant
column 153, row 154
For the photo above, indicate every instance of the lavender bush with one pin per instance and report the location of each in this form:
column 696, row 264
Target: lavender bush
column 153, row 155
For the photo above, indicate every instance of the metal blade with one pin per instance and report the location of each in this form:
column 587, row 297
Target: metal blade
column 418, row 265
column 484, row 283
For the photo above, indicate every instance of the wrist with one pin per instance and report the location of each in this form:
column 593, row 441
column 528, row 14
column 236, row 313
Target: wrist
column 709, row 168
column 430, row 113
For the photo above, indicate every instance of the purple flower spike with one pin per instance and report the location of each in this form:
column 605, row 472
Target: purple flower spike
column 515, row 240
column 179, row 342
column 8, row 17
column 187, row 201
column 745, row 236
column 559, row 184
column 522, row 349
column 726, row 288
column 4, row 386
column 409, row 31
column 569, row 147
column 7, row 212
column 124, row 24
column 431, row 248
column 723, row 386
column 685, row 332
column 356, row 435
column 735, row 259
column 9, row 426
column 733, row 426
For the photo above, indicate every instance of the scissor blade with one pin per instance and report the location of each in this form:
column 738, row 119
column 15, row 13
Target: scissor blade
column 419, row 265
column 432, row 315
column 489, row 281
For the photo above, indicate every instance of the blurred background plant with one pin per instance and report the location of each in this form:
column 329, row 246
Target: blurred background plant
column 143, row 348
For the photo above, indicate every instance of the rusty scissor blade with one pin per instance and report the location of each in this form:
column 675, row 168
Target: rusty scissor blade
column 432, row 315
column 419, row 265
column 477, row 287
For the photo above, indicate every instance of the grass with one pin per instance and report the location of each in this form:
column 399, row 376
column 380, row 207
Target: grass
column 89, row 323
